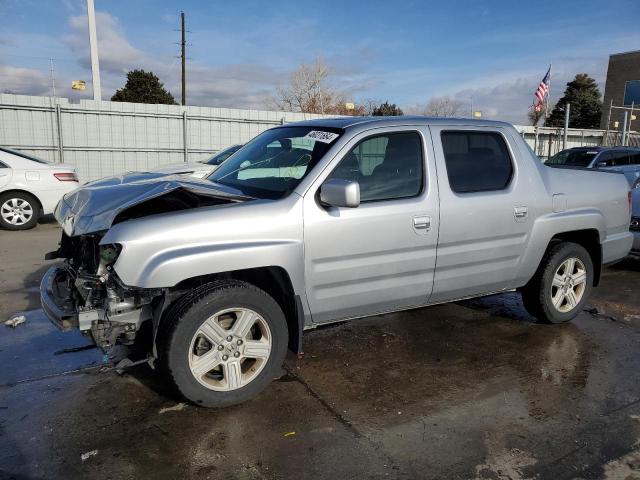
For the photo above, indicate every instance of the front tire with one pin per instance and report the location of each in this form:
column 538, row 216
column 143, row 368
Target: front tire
column 223, row 343
column 18, row 211
column 562, row 284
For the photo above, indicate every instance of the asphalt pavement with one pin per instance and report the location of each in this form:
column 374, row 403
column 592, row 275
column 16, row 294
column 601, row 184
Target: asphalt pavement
column 473, row 390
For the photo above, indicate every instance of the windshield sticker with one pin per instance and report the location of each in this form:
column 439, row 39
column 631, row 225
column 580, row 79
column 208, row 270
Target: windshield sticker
column 320, row 136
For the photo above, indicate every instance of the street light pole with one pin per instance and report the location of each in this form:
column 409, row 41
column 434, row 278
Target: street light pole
column 93, row 44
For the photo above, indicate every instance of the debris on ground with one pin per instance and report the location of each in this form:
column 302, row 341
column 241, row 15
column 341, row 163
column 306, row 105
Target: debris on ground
column 597, row 313
column 289, row 434
column 75, row 349
column 176, row 408
column 85, row 456
column 15, row 321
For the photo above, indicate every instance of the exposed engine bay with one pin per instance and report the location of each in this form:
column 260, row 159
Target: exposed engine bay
column 88, row 285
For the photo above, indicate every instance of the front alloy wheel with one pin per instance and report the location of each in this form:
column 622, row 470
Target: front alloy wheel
column 222, row 343
column 230, row 349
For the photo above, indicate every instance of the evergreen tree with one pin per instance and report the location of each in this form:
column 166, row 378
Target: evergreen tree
column 586, row 106
column 386, row 109
column 143, row 87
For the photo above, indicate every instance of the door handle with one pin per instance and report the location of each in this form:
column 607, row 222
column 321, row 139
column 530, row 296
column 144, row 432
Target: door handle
column 520, row 212
column 422, row 222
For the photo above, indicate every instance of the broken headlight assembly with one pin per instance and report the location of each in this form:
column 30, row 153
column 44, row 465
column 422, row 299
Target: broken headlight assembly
column 109, row 253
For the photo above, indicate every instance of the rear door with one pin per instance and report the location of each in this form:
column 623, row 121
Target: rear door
column 486, row 204
column 379, row 256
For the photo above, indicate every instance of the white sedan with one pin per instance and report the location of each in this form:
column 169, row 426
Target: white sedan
column 199, row 169
column 30, row 187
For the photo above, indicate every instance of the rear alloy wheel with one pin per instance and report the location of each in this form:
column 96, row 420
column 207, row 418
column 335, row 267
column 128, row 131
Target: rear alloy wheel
column 560, row 288
column 223, row 343
column 568, row 285
column 18, row 211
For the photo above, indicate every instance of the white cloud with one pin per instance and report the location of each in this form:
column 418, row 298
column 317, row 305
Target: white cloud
column 116, row 53
column 23, row 81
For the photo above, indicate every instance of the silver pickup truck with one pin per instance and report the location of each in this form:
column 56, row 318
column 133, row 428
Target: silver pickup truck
column 323, row 221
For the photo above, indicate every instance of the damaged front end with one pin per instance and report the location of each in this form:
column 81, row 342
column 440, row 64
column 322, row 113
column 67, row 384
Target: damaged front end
column 85, row 293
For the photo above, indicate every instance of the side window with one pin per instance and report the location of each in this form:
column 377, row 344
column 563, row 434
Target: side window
column 614, row 159
column 634, row 158
column 605, row 158
column 476, row 161
column 620, row 158
column 3, row 165
column 386, row 166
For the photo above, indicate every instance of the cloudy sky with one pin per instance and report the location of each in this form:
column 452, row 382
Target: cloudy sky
column 494, row 52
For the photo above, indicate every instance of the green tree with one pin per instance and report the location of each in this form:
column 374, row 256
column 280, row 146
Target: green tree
column 143, row 87
column 586, row 106
column 386, row 109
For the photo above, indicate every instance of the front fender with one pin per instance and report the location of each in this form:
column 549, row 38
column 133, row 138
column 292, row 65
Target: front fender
column 171, row 266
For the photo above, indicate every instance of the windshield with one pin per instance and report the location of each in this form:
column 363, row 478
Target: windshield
column 221, row 156
column 24, row 155
column 273, row 164
column 573, row 158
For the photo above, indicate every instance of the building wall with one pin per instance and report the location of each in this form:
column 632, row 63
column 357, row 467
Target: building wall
column 622, row 67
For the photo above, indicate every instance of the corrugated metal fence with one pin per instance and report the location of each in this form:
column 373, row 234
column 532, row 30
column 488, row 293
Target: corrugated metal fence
column 107, row 138
column 547, row 141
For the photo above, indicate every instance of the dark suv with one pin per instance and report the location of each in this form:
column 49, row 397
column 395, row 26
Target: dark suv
column 622, row 159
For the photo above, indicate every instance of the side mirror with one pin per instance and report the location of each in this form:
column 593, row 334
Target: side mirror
column 340, row 193
column 601, row 164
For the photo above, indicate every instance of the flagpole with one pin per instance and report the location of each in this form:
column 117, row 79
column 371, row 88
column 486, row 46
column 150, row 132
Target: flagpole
column 546, row 108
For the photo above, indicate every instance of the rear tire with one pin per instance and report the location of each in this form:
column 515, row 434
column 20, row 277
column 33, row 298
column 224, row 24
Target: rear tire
column 18, row 211
column 562, row 284
column 223, row 343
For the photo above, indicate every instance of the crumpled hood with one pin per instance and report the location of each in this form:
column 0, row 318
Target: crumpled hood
column 94, row 206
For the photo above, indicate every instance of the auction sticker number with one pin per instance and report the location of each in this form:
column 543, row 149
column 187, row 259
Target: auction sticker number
column 320, row 136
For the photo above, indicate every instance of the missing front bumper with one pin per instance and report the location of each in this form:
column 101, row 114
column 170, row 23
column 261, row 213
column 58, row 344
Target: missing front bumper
column 56, row 299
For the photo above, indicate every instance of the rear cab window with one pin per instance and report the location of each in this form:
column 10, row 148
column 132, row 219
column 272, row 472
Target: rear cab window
column 476, row 161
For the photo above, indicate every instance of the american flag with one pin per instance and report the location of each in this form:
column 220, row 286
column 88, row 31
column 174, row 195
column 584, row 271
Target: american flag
column 542, row 91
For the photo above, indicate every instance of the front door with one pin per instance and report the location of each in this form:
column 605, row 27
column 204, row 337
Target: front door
column 379, row 256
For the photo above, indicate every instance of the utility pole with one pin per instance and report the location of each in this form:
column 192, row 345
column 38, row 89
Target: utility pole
column 567, row 110
column 184, row 62
column 53, row 78
column 93, row 43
